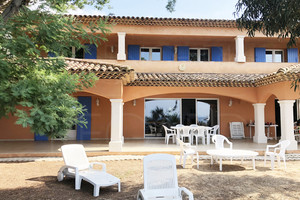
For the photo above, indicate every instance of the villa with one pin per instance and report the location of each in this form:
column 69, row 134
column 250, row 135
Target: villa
column 167, row 71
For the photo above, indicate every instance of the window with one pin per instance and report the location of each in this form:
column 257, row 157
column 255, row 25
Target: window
column 160, row 112
column 199, row 54
column 274, row 55
column 77, row 53
column 150, row 53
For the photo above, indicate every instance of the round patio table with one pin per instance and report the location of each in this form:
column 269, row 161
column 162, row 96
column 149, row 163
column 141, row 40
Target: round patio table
column 231, row 153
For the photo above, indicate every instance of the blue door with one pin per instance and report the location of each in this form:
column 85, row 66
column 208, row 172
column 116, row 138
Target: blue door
column 38, row 137
column 84, row 133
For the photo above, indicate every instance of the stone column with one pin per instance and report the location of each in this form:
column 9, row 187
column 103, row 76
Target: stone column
column 121, row 46
column 287, row 123
column 259, row 118
column 239, row 49
column 115, row 144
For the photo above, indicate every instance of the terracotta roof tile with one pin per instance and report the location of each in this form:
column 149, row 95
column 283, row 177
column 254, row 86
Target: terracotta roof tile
column 102, row 70
column 131, row 78
column 155, row 21
column 195, row 79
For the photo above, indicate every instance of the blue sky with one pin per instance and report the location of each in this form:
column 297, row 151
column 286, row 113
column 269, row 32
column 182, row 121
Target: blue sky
column 203, row 9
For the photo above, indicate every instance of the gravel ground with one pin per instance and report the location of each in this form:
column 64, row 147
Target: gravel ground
column 37, row 180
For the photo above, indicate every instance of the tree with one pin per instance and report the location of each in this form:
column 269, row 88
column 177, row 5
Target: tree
column 36, row 89
column 273, row 18
column 270, row 17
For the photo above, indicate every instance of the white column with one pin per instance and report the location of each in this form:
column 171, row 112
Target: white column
column 287, row 122
column 239, row 49
column 121, row 46
column 259, row 117
column 116, row 134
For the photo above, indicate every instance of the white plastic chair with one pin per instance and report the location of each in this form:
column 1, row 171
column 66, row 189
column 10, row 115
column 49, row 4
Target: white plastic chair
column 169, row 133
column 187, row 150
column 78, row 167
column 211, row 131
column 198, row 132
column 160, row 179
column 184, row 132
column 219, row 141
column 219, row 144
column 152, row 129
column 278, row 150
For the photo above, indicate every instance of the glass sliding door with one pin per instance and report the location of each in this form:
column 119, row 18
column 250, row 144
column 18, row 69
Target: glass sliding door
column 188, row 111
column 207, row 112
column 160, row 112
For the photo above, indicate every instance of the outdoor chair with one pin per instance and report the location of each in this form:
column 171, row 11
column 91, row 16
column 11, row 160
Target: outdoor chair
column 211, row 132
column 277, row 150
column 160, row 179
column 152, row 130
column 169, row 133
column 78, row 167
column 219, row 143
column 184, row 132
column 187, row 150
column 198, row 132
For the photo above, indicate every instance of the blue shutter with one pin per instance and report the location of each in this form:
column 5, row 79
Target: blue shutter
column 51, row 54
column 183, row 53
column 217, row 54
column 84, row 133
column 260, row 54
column 92, row 51
column 38, row 137
column 292, row 55
column 168, row 52
column 133, row 52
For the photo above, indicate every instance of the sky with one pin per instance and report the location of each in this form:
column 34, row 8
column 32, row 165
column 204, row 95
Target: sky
column 201, row 9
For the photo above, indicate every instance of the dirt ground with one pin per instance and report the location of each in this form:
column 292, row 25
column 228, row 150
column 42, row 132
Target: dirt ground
column 37, row 180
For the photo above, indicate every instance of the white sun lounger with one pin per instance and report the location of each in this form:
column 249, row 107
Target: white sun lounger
column 78, row 166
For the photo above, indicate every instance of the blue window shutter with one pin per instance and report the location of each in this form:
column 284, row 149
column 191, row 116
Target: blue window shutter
column 38, row 137
column 51, row 54
column 260, row 54
column 84, row 133
column 183, row 53
column 168, row 52
column 133, row 52
column 217, row 54
column 92, row 51
column 292, row 55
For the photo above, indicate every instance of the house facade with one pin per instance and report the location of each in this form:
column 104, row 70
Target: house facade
column 165, row 71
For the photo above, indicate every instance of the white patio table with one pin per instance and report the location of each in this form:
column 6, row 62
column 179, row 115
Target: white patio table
column 231, row 153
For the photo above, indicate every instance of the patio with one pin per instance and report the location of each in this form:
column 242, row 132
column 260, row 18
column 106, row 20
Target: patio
column 100, row 147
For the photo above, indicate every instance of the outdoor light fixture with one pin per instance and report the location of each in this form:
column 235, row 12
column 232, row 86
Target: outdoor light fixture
column 112, row 49
column 230, row 103
column 134, row 102
column 97, row 102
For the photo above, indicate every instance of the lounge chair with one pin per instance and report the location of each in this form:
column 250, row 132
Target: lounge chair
column 78, row 167
column 160, row 179
column 278, row 150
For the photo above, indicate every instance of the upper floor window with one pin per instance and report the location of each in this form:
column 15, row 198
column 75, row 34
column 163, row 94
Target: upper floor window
column 150, row 53
column 274, row 55
column 199, row 54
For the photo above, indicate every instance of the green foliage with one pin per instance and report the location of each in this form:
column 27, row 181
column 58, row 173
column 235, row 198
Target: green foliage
column 171, row 5
column 271, row 17
column 36, row 89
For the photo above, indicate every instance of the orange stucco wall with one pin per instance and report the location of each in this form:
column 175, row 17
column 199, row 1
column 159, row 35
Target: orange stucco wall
column 10, row 131
column 101, row 115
